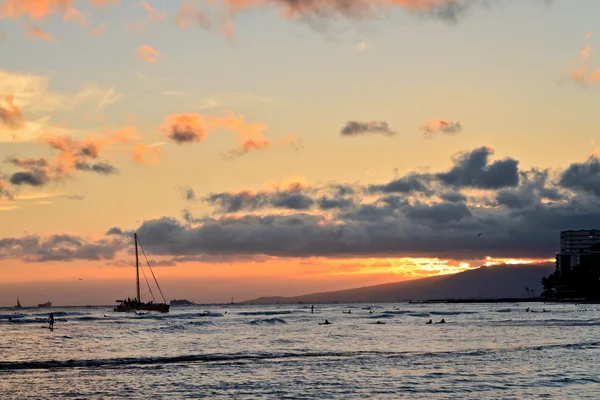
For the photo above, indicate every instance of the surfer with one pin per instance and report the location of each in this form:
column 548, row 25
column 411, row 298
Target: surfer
column 443, row 321
column 429, row 322
column 312, row 309
column 326, row 322
column 51, row 322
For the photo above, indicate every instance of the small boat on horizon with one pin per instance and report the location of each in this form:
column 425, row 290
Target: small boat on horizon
column 183, row 302
column 18, row 303
column 46, row 304
column 136, row 304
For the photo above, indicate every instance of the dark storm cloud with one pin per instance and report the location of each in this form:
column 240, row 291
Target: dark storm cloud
column 473, row 169
column 583, row 177
column 419, row 215
column 453, row 197
column 532, row 190
column 355, row 128
column 410, row 183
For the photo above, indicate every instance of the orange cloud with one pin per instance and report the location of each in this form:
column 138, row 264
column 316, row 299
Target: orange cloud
column 36, row 32
column 38, row 9
column 188, row 14
column 74, row 153
column 104, row 2
column 148, row 54
column 583, row 72
column 193, row 127
column 440, row 126
column 185, row 128
column 10, row 114
column 35, row 9
column 153, row 14
column 76, row 15
column 144, row 154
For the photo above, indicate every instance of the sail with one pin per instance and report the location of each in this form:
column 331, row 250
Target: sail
column 136, row 303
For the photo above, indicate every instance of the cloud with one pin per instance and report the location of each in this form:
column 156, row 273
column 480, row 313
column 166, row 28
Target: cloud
column 188, row 14
column 153, row 14
column 437, row 126
column 100, row 168
column 184, row 128
column 59, row 247
column 148, row 54
column 76, row 15
column 410, row 183
column 37, row 32
column 145, row 154
column 355, row 128
column 79, row 156
column 581, row 69
column 583, row 176
column 472, row 169
column 39, row 9
column 416, row 215
column 10, row 114
column 32, row 96
column 35, row 9
column 358, row 9
column 193, row 127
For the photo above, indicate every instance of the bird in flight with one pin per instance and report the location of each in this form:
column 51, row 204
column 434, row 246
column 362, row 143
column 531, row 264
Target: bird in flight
column 480, row 233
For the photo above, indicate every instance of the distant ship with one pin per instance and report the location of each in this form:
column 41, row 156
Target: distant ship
column 181, row 303
column 136, row 304
column 18, row 304
column 46, row 304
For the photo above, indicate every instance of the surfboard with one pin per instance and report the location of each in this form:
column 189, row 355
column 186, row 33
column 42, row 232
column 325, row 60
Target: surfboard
column 47, row 327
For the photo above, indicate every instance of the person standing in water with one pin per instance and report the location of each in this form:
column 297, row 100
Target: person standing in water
column 312, row 309
column 51, row 322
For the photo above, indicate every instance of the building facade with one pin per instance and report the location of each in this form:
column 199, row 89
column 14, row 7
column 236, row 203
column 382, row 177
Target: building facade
column 577, row 247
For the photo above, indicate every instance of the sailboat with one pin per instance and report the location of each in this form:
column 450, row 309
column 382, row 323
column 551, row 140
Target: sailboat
column 136, row 303
column 18, row 304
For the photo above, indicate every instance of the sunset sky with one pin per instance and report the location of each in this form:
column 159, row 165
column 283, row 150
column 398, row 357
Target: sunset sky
column 278, row 147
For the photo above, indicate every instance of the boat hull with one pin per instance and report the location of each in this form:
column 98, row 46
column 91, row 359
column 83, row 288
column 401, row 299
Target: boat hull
column 164, row 308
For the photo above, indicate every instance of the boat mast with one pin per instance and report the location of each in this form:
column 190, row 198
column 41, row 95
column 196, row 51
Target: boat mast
column 137, row 269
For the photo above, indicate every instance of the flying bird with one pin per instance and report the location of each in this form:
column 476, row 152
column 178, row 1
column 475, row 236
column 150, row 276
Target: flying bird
column 480, row 233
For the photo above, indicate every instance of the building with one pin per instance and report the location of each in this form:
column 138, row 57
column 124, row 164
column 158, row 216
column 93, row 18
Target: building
column 577, row 247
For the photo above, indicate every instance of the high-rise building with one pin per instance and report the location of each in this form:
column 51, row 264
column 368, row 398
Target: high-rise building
column 578, row 247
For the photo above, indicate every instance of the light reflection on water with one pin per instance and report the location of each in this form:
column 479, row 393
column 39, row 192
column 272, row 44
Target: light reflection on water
column 483, row 351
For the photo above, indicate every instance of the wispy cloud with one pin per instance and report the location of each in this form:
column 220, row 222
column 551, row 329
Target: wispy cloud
column 37, row 32
column 439, row 126
column 582, row 70
column 148, row 54
column 10, row 114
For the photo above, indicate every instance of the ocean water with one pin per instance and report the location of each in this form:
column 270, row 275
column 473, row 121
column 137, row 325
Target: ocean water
column 484, row 351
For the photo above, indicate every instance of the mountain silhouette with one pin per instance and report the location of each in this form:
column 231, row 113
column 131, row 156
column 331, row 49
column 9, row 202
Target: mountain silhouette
column 488, row 282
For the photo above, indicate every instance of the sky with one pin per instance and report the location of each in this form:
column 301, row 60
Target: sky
column 271, row 147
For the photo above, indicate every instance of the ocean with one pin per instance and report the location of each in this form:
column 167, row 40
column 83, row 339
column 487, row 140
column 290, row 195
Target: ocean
column 483, row 351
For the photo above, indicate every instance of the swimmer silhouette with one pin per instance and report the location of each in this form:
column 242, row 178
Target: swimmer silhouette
column 441, row 322
column 429, row 322
column 325, row 323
